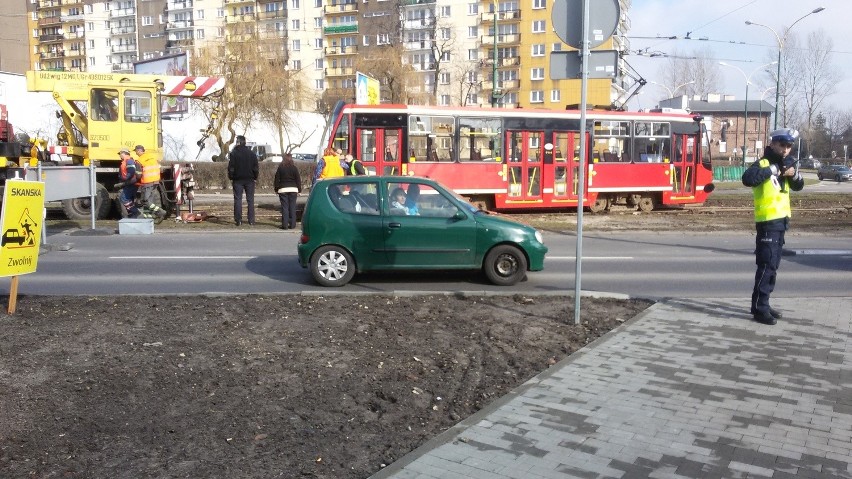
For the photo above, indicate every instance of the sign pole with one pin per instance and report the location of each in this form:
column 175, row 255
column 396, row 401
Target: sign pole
column 581, row 174
column 13, row 296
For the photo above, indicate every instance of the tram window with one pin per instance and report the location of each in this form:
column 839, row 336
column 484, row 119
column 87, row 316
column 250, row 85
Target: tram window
column 652, row 142
column 479, row 139
column 341, row 136
column 431, row 137
column 612, row 141
column 137, row 106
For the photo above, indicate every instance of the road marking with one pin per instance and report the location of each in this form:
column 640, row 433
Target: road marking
column 183, row 257
column 605, row 258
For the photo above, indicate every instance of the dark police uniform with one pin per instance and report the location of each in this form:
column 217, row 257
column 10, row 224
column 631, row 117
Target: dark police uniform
column 772, row 218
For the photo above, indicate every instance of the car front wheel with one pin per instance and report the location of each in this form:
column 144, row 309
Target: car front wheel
column 332, row 266
column 505, row 265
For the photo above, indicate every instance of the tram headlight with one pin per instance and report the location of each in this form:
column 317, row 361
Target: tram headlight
column 539, row 237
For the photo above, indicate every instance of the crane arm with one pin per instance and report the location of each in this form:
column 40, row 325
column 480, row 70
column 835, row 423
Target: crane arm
column 168, row 85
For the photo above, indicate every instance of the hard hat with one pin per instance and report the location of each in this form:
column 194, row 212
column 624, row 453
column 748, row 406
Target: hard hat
column 124, row 150
column 786, row 135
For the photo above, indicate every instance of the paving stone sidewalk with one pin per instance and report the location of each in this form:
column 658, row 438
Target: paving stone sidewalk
column 688, row 389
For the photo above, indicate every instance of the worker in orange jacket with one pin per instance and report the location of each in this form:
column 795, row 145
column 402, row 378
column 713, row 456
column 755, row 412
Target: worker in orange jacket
column 148, row 183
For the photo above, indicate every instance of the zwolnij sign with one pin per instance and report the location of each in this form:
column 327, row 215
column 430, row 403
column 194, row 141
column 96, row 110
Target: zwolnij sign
column 20, row 226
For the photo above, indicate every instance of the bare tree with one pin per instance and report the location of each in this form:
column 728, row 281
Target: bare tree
column 466, row 79
column 385, row 63
column 697, row 67
column 443, row 43
column 819, row 75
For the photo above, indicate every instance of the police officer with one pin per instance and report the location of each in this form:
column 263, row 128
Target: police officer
column 771, row 178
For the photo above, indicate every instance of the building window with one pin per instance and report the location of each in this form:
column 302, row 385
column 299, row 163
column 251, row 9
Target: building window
column 538, row 50
column 297, row 45
column 147, row 21
column 199, row 34
column 90, row 26
column 537, row 4
column 536, row 96
column 557, row 47
column 220, row 32
column 199, row 14
column 383, row 39
column 220, row 13
column 446, row 11
column 318, row 64
column 91, row 61
column 444, row 100
column 472, row 32
column 366, row 41
column 91, row 44
column 537, row 74
column 317, row 42
column 555, row 96
column 473, row 54
column 294, row 4
column 319, row 84
column 538, row 26
column 296, row 65
column 445, row 78
column 472, row 8
column 445, row 57
column 317, row 22
column 445, row 34
column 318, row 3
column 295, row 24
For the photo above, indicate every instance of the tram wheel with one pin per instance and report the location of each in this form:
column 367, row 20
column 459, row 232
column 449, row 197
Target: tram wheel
column 646, row 204
column 600, row 205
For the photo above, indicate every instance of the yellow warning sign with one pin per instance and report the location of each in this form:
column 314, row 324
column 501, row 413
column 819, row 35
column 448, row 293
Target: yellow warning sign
column 21, row 223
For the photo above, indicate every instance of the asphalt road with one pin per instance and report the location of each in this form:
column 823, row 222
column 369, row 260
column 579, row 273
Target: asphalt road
column 648, row 265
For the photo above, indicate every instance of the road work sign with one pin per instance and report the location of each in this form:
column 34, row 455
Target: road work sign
column 21, row 223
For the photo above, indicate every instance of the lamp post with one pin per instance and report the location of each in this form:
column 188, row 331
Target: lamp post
column 781, row 41
column 760, row 115
column 745, row 104
column 495, row 93
column 672, row 90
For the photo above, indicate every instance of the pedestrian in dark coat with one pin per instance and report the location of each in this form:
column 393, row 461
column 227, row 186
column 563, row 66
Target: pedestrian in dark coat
column 288, row 185
column 243, row 171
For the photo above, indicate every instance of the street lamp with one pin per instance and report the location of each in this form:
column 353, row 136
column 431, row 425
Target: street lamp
column 672, row 90
column 780, row 48
column 745, row 104
column 495, row 93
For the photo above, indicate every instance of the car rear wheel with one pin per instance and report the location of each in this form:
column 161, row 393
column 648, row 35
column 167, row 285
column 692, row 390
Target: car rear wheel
column 332, row 266
column 505, row 265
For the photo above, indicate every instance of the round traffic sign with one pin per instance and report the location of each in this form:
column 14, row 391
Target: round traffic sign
column 567, row 18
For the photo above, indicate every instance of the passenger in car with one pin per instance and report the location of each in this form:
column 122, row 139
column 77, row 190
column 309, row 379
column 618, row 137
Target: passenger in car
column 411, row 198
column 397, row 202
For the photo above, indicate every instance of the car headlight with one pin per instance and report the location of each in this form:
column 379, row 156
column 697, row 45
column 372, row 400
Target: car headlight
column 538, row 237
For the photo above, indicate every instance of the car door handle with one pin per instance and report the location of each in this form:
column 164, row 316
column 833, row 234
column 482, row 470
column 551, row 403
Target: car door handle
column 394, row 225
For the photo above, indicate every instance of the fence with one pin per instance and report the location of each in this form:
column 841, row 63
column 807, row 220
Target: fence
column 728, row 173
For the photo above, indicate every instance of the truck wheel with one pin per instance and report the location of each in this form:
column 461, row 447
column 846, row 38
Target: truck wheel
column 332, row 266
column 505, row 265
column 80, row 209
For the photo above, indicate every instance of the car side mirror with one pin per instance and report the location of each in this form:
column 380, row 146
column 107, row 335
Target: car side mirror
column 459, row 215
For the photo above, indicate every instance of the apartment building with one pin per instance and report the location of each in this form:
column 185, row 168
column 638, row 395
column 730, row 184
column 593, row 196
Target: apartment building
column 475, row 52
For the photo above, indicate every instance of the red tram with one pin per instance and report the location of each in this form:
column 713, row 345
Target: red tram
column 521, row 159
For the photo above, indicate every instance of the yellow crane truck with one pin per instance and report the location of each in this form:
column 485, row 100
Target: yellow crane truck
column 104, row 112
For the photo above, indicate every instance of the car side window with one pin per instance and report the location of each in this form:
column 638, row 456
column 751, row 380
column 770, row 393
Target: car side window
column 354, row 198
column 414, row 199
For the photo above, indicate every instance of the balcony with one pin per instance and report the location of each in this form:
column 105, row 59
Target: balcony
column 502, row 39
column 73, row 18
column 74, row 35
column 508, row 61
column 179, row 25
column 52, row 37
column 49, row 3
column 409, row 3
column 72, row 2
column 488, row 17
column 123, row 30
column 336, row 51
column 122, row 67
column 340, row 71
column 421, row 24
column 423, row 67
column 272, row 15
column 418, row 45
column 236, row 2
column 175, row 5
column 50, row 55
column 125, row 48
column 240, row 37
column 344, row 8
column 240, row 18
column 273, row 35
column 122, row 12
column 52, row 20
column 341, row 29
column 502, row 85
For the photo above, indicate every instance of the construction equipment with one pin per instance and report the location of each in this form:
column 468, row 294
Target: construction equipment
column 104, row 112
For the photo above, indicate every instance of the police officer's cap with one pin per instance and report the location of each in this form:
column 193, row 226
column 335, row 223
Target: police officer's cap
column 784, row 135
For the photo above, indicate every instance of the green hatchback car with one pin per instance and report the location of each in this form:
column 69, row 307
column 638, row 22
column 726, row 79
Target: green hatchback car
column 364, row 223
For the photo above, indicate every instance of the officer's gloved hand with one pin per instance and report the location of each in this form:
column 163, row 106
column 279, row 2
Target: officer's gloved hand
column 118, row 186
column 774, row 169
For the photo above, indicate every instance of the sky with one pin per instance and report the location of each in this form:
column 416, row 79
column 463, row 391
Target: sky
column 719, row 25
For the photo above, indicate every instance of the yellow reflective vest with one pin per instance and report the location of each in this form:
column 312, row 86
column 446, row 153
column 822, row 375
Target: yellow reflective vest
column 771, row 202
column 150, row 169
column 332, row 168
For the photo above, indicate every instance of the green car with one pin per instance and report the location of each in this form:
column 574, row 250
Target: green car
column 362, row 223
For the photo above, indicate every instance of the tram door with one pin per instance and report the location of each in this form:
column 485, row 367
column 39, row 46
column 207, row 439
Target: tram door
column 684, row 161
column 379, row 149
column 524, row 157
column 566, row 164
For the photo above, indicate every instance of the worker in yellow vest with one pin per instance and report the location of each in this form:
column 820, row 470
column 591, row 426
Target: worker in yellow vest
column 771, row 178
